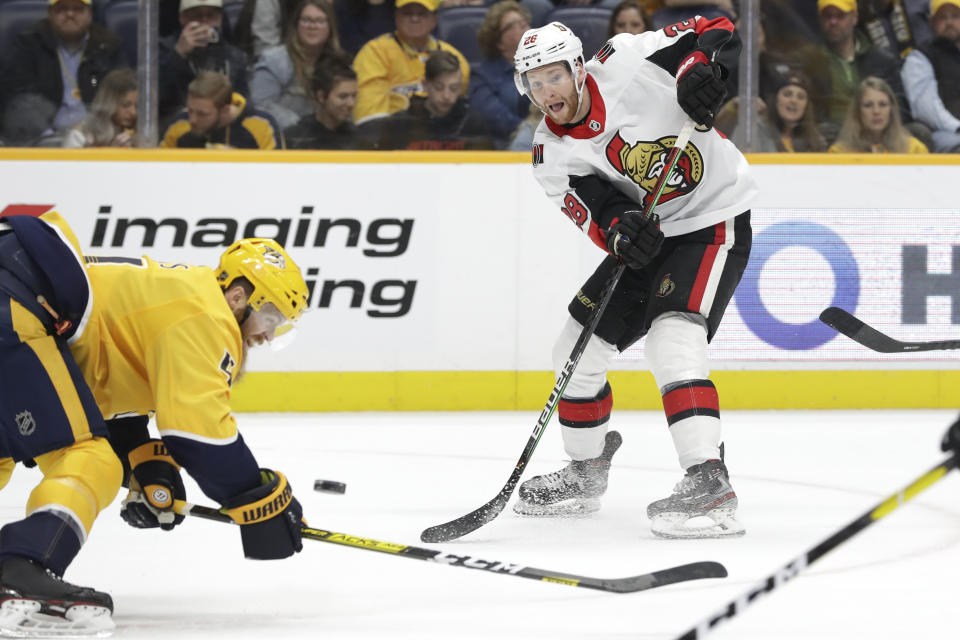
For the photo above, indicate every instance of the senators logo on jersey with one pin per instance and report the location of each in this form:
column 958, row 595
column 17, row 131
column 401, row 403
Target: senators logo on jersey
column 644, row 162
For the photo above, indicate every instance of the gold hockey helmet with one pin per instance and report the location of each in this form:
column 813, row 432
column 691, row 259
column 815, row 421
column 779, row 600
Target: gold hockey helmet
column 274, row 275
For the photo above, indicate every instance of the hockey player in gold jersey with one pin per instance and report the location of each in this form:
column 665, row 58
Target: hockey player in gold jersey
column 83, row 338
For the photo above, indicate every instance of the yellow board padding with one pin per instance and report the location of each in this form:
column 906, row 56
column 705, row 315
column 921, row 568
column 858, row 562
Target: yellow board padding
column 529, row 390
column 84, row 478
column 33, row 334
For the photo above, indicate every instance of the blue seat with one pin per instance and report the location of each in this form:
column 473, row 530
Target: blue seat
column 590, row 24
column 458, row 26
column 120, row 17
column 231, row 12
column 16, row 16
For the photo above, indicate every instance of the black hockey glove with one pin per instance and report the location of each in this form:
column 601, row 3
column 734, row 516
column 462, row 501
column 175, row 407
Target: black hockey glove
column 635, row 238
column 700, row 88
column 951, row 439
column 270, row 518
column 154, row 484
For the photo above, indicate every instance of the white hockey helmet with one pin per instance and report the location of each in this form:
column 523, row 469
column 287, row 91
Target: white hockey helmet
column 545, row 45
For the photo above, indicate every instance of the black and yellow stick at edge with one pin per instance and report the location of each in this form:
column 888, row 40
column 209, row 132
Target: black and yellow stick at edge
column 790, row 570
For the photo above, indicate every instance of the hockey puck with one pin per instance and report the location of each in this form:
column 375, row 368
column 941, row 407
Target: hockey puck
column 329, row 486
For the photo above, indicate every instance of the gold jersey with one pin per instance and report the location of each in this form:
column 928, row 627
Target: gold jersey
column 161, row 337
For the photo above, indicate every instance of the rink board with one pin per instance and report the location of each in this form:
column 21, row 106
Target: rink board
column 439, row 280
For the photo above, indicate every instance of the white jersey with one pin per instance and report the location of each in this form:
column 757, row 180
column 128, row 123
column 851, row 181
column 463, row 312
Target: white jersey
column 625, row 139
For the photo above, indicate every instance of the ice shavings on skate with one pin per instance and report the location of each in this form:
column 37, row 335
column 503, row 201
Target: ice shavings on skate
column 718, row 523
column 26, row 618
column 572, row 491
column 703, row 505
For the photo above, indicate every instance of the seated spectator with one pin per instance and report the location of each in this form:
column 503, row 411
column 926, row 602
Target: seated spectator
column 931, row 75
column 493, row 93
column 335, row 95
column 282, row 79
column 362, row 20
column 390, row 68
column 628, row 17
column 218, row 118
column 791, row 117
column 439, row 120
column 198, row 47
column 873, row 123
column 112, row 118
column 843, row 58
column 52, row 70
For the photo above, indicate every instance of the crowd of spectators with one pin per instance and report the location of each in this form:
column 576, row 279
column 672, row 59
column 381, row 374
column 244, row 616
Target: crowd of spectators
column 861, row 76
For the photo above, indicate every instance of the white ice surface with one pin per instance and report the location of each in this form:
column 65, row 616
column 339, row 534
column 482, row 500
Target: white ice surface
column 800, row 476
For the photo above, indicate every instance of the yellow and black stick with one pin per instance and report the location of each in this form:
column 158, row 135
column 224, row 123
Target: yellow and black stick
column 801, row 562
column 631, row 584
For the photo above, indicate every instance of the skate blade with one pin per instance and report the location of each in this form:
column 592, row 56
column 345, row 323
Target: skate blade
column 21, row 618
column 576, row 508
column 719, row 523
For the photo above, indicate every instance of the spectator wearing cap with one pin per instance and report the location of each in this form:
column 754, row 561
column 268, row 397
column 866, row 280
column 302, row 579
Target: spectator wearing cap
column 335, row 95
column 493, row 93
column 390, row 68
column 52, row 71
column 199, row 46
column 844, row 57
column 931, row 76
column 785, row 119
column 218, row 118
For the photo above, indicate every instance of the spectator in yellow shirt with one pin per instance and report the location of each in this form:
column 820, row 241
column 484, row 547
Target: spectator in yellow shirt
column 873, row 123
column 390, row 68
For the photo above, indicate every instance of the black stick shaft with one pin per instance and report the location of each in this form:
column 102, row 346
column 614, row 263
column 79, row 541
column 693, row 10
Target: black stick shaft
column 859, row 331
column 804, row 560
column 472, row 521
column 631, row 584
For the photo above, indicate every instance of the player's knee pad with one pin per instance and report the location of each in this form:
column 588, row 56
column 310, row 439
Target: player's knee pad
column 6, row 470
column 590, row 375
column 81, row 479
column 676, row 348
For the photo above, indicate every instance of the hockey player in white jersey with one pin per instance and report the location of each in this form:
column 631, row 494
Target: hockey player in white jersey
column 610, row 124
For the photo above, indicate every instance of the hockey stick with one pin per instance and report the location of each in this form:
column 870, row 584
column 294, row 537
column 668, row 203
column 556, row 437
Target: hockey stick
column 801, row 562
column 478, row 517
column 632, row 584
column 855, row 329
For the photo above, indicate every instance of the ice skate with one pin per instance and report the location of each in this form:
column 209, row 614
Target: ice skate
column 574, row 490
column 35, row 603
column 703, row 505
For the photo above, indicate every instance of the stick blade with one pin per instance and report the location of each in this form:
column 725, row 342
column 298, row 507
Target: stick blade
column 855, row 329
column 459, row 527
column 682, row 573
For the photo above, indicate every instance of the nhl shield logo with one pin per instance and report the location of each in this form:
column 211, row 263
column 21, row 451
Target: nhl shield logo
column 26, row 425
